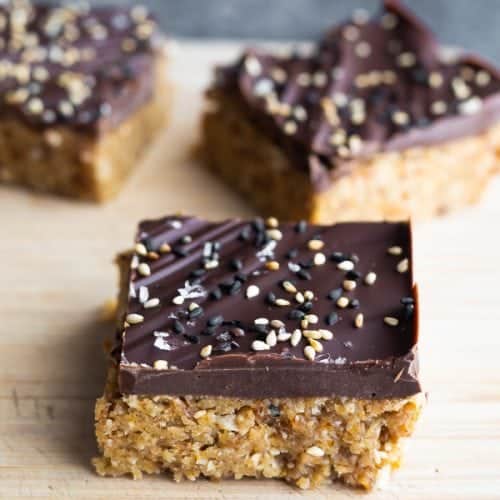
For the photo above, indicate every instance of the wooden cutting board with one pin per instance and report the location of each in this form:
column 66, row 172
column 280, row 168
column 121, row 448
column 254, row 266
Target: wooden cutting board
column 56, row 272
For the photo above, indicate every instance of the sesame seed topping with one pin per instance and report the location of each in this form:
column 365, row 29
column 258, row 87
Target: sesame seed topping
column 342, row 302
column 272, row 265
column 470, row 106
column 402, row 266
column 178, row 300
column 271, row 339
column 296, row 337
column 261, row 321
column 160, row 364
column 439, row 108
column 141, row 249
column 252, row 291
column 319, row 259
column 253, row 66
column 363, row 49
column 359, row 320
column 282, row 302
column 370, row 278
column 326, row 334
column 143, row 269
column 206, row 351
column 309, row 352
column 290, row 127
column 274, row 234
column 395, row 250
column 346, row 265
column 391, row 321
column 315, row 244
column 259, row 345
column 154, row 302
column 316, row 345
column 134, row 319
column 349, row 285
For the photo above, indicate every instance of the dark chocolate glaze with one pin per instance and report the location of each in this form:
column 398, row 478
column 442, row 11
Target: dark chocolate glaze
column 86, row 68
column 381, row 84
column 374, row 361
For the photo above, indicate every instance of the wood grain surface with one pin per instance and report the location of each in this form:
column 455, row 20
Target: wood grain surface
column 56, row 270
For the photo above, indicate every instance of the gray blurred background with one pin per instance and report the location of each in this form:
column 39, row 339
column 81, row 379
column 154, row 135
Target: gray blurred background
column 473, row 24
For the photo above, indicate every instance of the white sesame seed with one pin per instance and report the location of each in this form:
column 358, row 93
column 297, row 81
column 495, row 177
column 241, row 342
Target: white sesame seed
column 143, row 269
column 350, row 33
column 193, row 306
column 394, row 250
column 315, row 244
column 326, row 334
column 178, row 300
column 349, row 285
column 346, row 265
column 134, row 319
column 391, row 321
column 160, row 364
column 261, row 321
column 143, row 294
column 370, row 278
column 141, row 249
column 438, row 108
column 402, row 266
column 359, row 320
column 296, row 337
column 460, row 88
column 483, row 78
column 274, row 234
column 308, row 295
column 276, row 323
column 282, row 302
column 312, row 318
column 271, row 339
column 211, row 264
column 470, row 106
column 389, row 21
column 289, row 127
column 154, row 302
column 315, row 451
column 272, row 222
column 253, row 66
column 206, row 351
column 304, row 323
column 309, row 352
column 312, row 334
column 258, row 345
column 289, row 287
column 299, row 297
column 165, row 248
column 317, row 346
column 283, row 336
column 435, row 79
column 400, row 117
column 342, row 302
column 319, row 259
column 406, row 59
column 363, row 49
column 252, row 291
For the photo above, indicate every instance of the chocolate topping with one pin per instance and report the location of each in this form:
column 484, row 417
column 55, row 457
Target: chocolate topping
column 370, row 85
column 87, row 68
column 261, row 309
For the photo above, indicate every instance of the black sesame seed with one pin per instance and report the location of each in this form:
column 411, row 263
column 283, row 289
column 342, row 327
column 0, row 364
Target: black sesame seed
column 337, row 257
column 179, row 251
column 216, row 246
column 307, row 264
column 335, row 294
column 241, row 277
column 271, row 298
column 195, row 313
column 409, row 309
column 245, row 234
column 193, row 339
column 296, row 314
column 236, row 264
column 208, row 332
column 354, row 258
column 353, row 275
column 216, row 294
column 215, row 320
column 306, row 306
column 235, row 288
column 354, row 304
column 258, row 225
column 196, row 273
column 178, row 327
column 332, row 318
column 304, row 275
column 301, row 226
column 291, row 254
column 407, row 300
column 259, row 328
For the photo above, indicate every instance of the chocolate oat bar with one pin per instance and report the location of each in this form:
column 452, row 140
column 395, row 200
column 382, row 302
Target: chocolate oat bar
column 82, row 93
column 262, row 349
column 379, row 122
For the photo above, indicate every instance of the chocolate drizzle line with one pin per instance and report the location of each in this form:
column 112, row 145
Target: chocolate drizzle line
column 263, row 309
column 370, row 85
column 72, row 65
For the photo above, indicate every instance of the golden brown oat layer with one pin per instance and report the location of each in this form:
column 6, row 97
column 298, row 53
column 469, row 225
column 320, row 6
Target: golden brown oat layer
column 419, row 182
column 63, row 161
column 305, row 441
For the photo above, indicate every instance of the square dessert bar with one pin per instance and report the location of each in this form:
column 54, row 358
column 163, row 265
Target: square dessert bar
column 262, row 349
column 82, row 93
column 377, row 123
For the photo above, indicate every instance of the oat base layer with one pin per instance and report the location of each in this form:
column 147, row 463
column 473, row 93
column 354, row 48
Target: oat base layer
column 306, row 441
